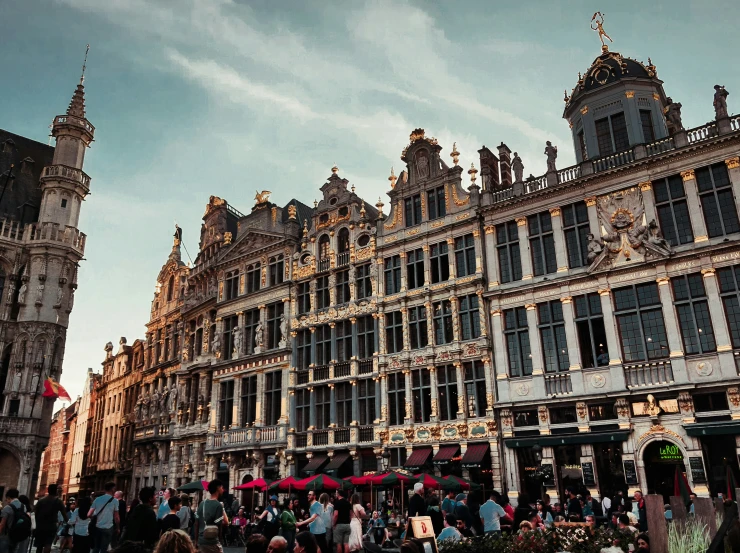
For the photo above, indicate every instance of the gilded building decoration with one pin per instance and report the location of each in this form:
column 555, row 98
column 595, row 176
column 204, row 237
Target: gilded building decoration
column 397, row 215
column 733, row 162
column 733, row 394
column 542, row 412
column 659, row 429
column 456, row 200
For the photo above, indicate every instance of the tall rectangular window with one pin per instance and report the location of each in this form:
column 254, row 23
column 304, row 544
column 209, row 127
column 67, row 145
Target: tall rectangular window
column 412, row 210
column 440, row 263
column 729, row 289
column 436, row 203
column 542, row 243
column 366, row 401
column 304, row 349
column 648, row 132
column 302, row 409
column 415, row 269
column 363, row 282
column 552, row 332
column 226, row 404
column 611, row 135
column 393, row 332
column 591, row 332
column 717, row 200
column 343, row 398
column 640, row 322
column 231, row 290
column 692, row 308
column 323, row 345
column 396, row 398
column 507, row 248
column 465, row 255
column 274, row 316
column 421, row 393
column 475, row 389
column 254, row 277
column 365, row 337
column 249, row 400
column 516, row 332
column 392, row 271
column 673, row 211
column 418, row 327
column 447, row 392
column 251, row 320
column 323, row 298
column 576, row 230
column 304, row 297
column 442, row 315
column 227, row 348
column 469, row 317
column 273, row 397
column 277, row 270
column 342, row 278
column 322, row 405
column 344, row 340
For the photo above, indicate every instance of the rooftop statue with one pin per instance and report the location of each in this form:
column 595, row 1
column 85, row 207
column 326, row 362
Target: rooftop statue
column 720, row 101
column 518, row 167
column 552, row 154
column 597, row 24
column 673, row 116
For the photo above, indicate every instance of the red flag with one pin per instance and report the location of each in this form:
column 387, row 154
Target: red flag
column 55, row 390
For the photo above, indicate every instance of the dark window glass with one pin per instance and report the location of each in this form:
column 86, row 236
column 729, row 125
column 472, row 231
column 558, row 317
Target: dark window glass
column 304, row 298
column 563, row 415
column 323, row 297
column 469, row 317
column 343, row 398
column 249, row 400
column 254, row 277
column 302, row 409
column 576, row 230
column 542, row 244
column 465, row 255
column 230, row 323
column 442, row 322
column 304, row 349
column 692, row 308
column 421, row 393
column 717, row 200
column 366, row 336
column 516, row 333
column 366, row 400
column 716, row 401
column 342, row 286
column 396, row 398
column 392, row 272
column 591, row 332
column 418, row 327
column 393, row 332
column 277, row 270
column 447, row 392
column 364, row 287
column 729, row 289
column 273, row 397
column 323, row 344
column 412, row 210
column 324, row 252
column 640, row 323
column 232, row 285
column 552, row 332
column 415, row 269
column 507, row 248
column 611, row 134
column 475, row 389
column 526, row 418
column 274, row 316
column 646, row 120
column 436, row 203
column 673, row 211
column 439, row 262
column 582, row 144
column 343, row 330
column 226, row 404
column 602, row 411
column 322, row 406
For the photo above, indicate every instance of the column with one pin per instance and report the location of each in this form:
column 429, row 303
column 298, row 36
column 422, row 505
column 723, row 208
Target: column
column 491, row 255
column 455, row 319
column 427, row 265
column 526, row 257
column 593, row 216
column 381, row 398
column 574, row 352
column 409, row 419
column 402, row 255
column 312, row 414
column 733, row 168
column 430, row 322
column 260, row 404
column 313, row 347
column 489, row 386
column 610, row 327
column 355, row 341
column 333, row 333
column 284, row 396
column 376, row 330
column 678, row 362
column 460, row 390
column 719, row 324
column 482, row 313
column 478, row 243
column 294, row 347
column 405, row 322
column 355, row 405
column 648, row 200
column 236, row 417
column 377, row 276
column 214, row 423
column 291, row 400
column 435, row 393
column 557, row 230
column 451, row 257
column 263, row 324
column 499, row 350
column 698, row 225
column 535, row 344
column 332, row 405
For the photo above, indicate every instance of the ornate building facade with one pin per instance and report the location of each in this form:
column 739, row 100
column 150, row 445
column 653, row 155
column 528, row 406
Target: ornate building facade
column 42, row 193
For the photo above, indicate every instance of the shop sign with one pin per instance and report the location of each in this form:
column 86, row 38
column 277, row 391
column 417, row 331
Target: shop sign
column 547, row 474
column 696, row 464
column 630, row 473
column 588, row 474
column 670, row 452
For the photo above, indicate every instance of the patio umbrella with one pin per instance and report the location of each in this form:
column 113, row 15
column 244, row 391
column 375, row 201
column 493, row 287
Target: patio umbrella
column 286, row 484
column 731, row 484
column 392, row 479
column 194, row 486
column 681, row 486
column 361, row 481
column 259, row 484
column 463, row 484
column 433, row 482
column 322, row 482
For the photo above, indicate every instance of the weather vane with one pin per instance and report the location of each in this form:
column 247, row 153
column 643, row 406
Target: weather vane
column 597, row 24
column 84, row 65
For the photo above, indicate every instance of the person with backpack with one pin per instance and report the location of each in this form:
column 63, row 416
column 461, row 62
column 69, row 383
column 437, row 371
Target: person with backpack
column 271, row 519
column 104, row 519
column 209, row 518
column 24, row 545
column 47, row 510
column 15, row 523
column 79, row 523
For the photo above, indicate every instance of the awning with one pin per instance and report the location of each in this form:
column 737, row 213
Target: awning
column 474, row 455
column 336, row 461
column 445, row 454
column 569, row 439
column 315, row 463
column 699, row 429
column 418, row 458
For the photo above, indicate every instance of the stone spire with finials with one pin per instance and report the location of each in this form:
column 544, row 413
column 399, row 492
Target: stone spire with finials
column 77, row 105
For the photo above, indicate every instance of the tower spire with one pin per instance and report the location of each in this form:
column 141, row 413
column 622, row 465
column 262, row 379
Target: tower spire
column 77, row 105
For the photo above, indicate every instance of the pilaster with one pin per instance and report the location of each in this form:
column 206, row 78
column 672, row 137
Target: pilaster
column 733, row 169
column 524, row 253
column 593, row 216
column 610, row 327
column 499, row 350
column 491, row 253
column 574, row 352
column 698, row 225
column 678, row 362
column 557, row 231
column 719, row 324
column 648, row 200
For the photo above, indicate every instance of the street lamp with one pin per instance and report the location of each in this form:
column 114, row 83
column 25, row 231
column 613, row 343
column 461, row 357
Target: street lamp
column 537, row 449
column 385, row 460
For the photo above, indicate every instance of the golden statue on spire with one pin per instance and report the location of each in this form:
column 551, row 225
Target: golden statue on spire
column 597, row 24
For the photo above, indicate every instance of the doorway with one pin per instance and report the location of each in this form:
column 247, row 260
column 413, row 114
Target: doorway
column 661, row 460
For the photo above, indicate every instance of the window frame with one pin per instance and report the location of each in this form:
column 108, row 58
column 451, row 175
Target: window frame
column 519, row 361
column 436, row 203
column 442, row 320
column 542, row 243
column 363, row 281
column 323, row 294
column 439, row 263
column 248, row 400
column 508, row 253
column 254, row 277
column 394, row 332
column 396, row 398
column 696, row 338
column 591, row 316
column 365, row 337
column 418, row 327
column 469, row 316
column 676, row 227
column 474, row 382
column 551, row 326
column 711, row 193
column 447, row 392
column 392, row 274
column 421, row 395
column 640, row 314
column 415, row 269
column 277, row 269
column 465, row 255
column 726, row 277
column 412, row 211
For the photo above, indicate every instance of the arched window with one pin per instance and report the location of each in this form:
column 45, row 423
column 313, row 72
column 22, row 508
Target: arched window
column 277, row 270
column 171, row 288
column 232, row 285
column 343, row 240
column 254, row 277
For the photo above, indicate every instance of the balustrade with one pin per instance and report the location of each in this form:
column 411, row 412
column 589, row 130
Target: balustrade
column 558, row 384
column 704, row 132
column 648, row 374
column 367, row 434
column 612, row 161
column 341, row 435
column 660, row 146
column 342, row 259
column 320, row 437
column 365, row 366
column 569, row 173
column 342, row 369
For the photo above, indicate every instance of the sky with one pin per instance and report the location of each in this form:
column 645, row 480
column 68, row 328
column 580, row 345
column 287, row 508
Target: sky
column 193, row 98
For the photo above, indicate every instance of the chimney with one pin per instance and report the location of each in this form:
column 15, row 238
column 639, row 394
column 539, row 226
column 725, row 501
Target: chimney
column 505, row 157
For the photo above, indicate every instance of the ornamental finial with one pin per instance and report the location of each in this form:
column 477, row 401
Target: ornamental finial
column 597, row 24
column 334, row 169
column 454, row 154
column 393, row 179
column 472, row 172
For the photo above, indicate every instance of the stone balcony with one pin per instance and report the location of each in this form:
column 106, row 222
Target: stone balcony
column 329, row 437
column 333, row 371
column 253, row 436
column 33, row 233
column 64, row 172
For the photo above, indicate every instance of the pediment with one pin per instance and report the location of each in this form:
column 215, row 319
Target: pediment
column 251, row 243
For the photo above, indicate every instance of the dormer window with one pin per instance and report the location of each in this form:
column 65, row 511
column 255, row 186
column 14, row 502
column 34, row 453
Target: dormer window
column 323, row 219
column 333, row 201
column 343, row 211
column 646, row 120
column 343, row 240
column 8, row 146
column 611, row 134
column 324, row 247
column 363, row 240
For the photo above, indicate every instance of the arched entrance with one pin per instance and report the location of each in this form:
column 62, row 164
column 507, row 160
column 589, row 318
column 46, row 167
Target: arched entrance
column 661, row 459
column 247, row 495
column 10, row 471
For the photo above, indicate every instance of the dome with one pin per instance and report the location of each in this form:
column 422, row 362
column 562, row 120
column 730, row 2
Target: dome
column 609, row 68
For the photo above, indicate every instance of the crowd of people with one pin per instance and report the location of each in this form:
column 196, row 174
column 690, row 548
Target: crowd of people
column 319, row 523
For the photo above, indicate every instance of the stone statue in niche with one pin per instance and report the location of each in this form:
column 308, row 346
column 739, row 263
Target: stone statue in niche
column 238, row 341
column 595, row 247
column 22, row 294
column 283, row 332
column 422, row 164
column 673, row 116
column 60, row 296
column 216, row 344
column 258, row 338
column 720, row 101
column 35, row 381
column 655, row 236
column 17, row 380
column 552, row 154
column 163, row 400
column 518, row 167
column 138, row 407
column 173, row 397
column 40, row 293
column 154, row 406
column 145, row 407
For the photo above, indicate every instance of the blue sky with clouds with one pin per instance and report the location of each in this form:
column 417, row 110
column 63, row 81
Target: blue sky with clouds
column 198, row 97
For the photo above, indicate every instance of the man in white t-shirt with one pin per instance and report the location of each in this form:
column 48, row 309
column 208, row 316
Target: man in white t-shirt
column 491, row 514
